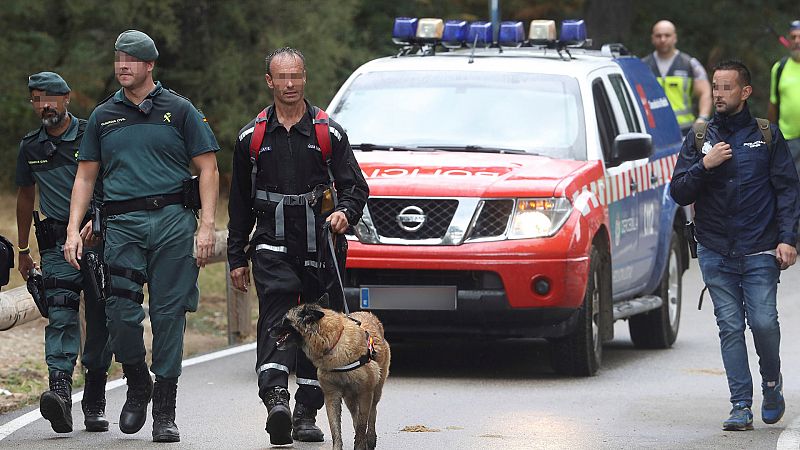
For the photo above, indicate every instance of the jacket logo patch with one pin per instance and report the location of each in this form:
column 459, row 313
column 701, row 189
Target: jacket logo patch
column 755, row 144
column 706, row 147
column 313, row 147
column 112, row 121
column 265, row 149
column 167, row 117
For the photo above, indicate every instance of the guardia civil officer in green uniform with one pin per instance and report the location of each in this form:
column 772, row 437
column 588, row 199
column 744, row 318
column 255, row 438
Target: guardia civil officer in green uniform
column 142, row 140
column 682, row 77
column 48, row 158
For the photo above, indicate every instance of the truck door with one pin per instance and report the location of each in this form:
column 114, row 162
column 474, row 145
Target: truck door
column 623, row 203
column 647, row 179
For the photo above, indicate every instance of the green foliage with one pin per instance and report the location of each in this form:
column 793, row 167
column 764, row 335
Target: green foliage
column 213, row 52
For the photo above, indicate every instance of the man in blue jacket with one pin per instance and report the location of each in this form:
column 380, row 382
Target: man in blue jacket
column 746, row 197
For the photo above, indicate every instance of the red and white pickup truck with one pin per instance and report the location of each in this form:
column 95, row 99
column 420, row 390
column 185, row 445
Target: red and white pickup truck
column 516, row 193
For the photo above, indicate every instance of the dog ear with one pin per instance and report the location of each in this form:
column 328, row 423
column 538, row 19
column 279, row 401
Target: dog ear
column 324, row 301
column 313, row 315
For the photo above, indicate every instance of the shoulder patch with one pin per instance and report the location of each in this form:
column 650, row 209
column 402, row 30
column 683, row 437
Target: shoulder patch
column 336, row 133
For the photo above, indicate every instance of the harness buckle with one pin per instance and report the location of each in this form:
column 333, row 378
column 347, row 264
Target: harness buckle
column 294, row 200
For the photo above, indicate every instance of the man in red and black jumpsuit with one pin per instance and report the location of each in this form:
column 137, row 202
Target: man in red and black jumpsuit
column 288, row 199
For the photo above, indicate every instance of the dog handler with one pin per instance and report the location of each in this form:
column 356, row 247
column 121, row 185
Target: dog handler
column 284, row 186
column 144, row 137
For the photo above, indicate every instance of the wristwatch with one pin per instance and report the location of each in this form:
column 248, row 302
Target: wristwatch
column 704, row 118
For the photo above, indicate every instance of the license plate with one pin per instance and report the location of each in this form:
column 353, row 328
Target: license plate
column 431, row 298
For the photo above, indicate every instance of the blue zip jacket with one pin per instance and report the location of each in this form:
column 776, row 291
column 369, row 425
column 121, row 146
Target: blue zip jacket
column 751, row 202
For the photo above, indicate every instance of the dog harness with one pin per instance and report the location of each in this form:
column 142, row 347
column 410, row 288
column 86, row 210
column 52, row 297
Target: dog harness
column 365, row 359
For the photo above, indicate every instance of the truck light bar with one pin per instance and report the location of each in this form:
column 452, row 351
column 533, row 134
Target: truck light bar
column 425, row 34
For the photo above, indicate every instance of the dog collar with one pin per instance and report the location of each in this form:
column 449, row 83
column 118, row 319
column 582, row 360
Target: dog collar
column 364, row 360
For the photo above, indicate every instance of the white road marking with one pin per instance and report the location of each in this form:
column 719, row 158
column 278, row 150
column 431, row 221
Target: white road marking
column 26, row 419
column 790, row 436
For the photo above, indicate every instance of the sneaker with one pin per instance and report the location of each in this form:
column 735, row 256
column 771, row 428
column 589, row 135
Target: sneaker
column 741, row 418
column 773, row 406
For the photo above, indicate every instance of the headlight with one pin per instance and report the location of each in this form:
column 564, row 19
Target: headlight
column 539, row 217
column 365, row 229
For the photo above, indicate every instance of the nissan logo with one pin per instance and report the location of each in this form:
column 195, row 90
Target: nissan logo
column 411, row 218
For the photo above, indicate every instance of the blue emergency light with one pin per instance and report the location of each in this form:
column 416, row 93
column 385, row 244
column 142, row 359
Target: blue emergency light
column 454, row 34
column 573, row 32
column 511, row 34
column 480, row 33
column 405, row 30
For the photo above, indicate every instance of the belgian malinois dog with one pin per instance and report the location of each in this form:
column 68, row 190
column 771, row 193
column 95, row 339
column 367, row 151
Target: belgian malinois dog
column 352, row 360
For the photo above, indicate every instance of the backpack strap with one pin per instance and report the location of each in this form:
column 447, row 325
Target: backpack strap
column 766, row 131
column 699, row 130
column 256, row 139
column 322, row 130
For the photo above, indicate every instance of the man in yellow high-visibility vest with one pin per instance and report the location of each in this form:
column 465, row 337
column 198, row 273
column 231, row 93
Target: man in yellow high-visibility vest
column 682, row 77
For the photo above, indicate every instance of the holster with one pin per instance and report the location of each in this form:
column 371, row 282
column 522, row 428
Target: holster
column 191, row 194
column 691, row 238
column 35, row 286
column 94, row 275
column 6, row 260
column 96, row 212
column 44, row 238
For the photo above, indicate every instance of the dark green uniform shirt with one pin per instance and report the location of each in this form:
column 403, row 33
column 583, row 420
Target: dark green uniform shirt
column 55, row 174
column 145, row 152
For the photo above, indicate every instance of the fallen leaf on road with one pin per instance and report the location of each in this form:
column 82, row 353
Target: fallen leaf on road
column 419, row 429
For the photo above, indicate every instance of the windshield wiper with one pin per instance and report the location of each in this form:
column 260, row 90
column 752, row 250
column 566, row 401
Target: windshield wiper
column 478, row 148
column 367, row 147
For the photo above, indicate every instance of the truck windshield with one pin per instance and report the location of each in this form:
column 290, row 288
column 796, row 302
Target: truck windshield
column 536, row 113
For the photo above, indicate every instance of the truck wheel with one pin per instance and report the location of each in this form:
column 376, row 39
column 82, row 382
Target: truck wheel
column 580, row 353
column 659, row 328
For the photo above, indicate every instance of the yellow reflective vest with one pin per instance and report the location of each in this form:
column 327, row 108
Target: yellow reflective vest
column 677, row 85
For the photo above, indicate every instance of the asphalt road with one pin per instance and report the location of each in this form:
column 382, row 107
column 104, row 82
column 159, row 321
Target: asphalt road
column 479, row 395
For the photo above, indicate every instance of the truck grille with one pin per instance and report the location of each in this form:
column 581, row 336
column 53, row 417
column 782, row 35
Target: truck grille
column 493, row 219
column 412, row 219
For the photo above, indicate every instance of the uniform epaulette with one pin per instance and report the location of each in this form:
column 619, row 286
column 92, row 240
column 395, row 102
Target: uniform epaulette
column 105, row 99
column 31, row 133
column 180, row 95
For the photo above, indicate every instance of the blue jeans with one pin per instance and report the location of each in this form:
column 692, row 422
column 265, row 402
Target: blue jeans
column 744, row 287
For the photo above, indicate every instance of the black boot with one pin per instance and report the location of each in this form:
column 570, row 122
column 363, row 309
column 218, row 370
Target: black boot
column 279, row 418
column 164, row 428
column 140, row 391
column 304, row 428
column 56, row 404
column 94, row 401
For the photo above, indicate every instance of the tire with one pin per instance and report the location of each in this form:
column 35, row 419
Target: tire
column 659, row 328
column 580, row 353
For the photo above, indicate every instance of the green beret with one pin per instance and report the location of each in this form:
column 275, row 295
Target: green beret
column 137, row 44
column 50, row 82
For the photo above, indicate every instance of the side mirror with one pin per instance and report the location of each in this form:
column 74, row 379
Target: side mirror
column 631, row 146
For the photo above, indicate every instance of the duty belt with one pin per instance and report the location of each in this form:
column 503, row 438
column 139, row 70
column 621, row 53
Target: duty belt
column 292, row 200
column 142, row 203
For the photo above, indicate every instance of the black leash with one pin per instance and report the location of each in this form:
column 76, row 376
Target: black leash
column 326, row 228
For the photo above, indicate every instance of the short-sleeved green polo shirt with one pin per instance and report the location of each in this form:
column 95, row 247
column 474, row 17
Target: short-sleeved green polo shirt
column 55, row 175
column 145, row 151
column 789, row 121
